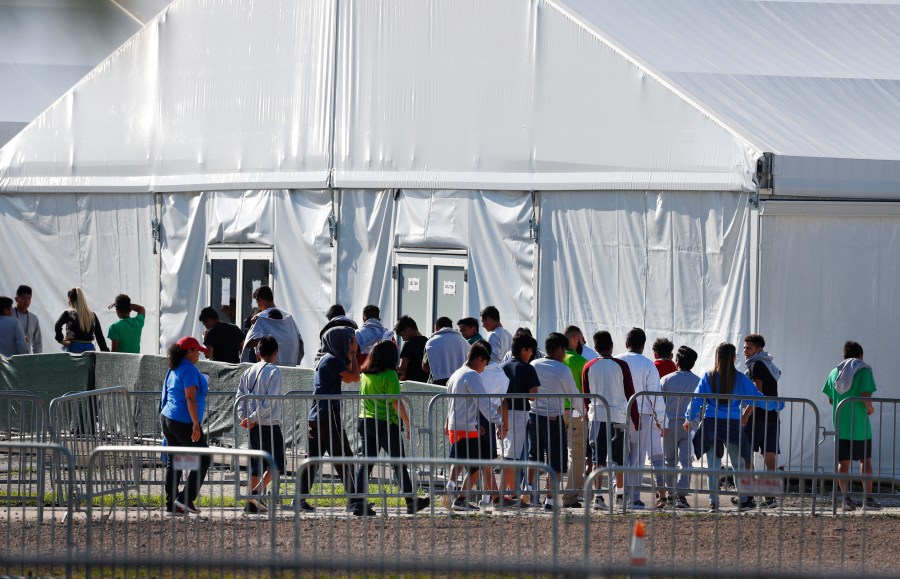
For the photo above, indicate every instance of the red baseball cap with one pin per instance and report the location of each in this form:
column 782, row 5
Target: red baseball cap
column 191, row 343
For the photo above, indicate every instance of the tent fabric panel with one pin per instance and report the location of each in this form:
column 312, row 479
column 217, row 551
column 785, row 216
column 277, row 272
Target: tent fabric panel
column 162, row 106
column 100, row 243
column 824, row 279
column 552, row 107
column 674, row 263
column 841, row 178
column 193, row 222
column 821, row 81
column 365, row 229
column 493, row 226
column 303, row 262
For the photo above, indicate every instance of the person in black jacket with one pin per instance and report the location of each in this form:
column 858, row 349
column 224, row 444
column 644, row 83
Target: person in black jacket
column 82, row 326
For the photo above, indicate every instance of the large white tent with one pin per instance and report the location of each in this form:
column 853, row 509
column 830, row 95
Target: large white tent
column 699, row 169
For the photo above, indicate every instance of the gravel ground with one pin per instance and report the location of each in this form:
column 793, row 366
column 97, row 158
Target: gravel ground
column 765, row 541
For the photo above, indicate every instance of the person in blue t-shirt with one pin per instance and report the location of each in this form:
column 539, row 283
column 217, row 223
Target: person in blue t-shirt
column 337, row 364
column 182, row 407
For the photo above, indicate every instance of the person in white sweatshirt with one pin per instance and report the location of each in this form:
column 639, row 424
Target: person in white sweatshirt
column 262, row 416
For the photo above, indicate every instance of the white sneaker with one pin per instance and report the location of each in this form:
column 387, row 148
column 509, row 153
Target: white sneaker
column 599, row 503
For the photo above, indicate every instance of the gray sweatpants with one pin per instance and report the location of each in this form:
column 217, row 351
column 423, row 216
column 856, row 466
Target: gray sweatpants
column 677, row 449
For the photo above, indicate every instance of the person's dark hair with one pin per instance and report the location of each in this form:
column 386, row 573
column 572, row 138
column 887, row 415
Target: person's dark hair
column 370, row 312
column 123, row 303
column 382, row 357
column 522, row 342
column 724, row 375
column 852, row 350
column 685, row 358
column 23, row 290
column 335, row 311
column 635, row 339
column 663, row 347
column 267, row 346
column 486, row 345
column 175, row 354
column 554, row 342
column 468, row 323
column 275, row 314
column 443, row 322
column 264, row 292
column 476, row 352
column 208, row 313
column 5, row 303
column 755, row 339
column 603, row 341
column 491, row 312
column 572, row 331
column 405, row 322
column 523, row 332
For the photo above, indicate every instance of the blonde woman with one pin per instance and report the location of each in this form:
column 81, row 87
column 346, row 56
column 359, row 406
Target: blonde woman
column 82, row 326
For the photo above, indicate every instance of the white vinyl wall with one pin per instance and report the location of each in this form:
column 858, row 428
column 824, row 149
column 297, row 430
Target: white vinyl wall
column 99, row 242
column 673, row 263
column 827, row 275
column 493, row 226
column 295, row 223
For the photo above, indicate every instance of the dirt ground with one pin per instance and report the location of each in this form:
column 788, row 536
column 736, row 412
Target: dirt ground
column 768, row 542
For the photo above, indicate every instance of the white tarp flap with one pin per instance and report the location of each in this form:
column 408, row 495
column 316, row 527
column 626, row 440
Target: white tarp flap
column 844, row 178
column 827, row 273
column 673, row 263
column 365, row 249
column 208, row 95
column 465, row 94
column 494, row 227
column 101, row 243
column 294, row 222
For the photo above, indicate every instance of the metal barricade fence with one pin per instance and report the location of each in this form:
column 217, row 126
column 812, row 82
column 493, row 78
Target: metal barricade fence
column 23, row 418
column 670, row 445
column 383, row 533
column 35, row 529
column 880, row 429
column 141, row 524
column 563, row 441
column 298, row 436
column 82, row 421
column 790, row 540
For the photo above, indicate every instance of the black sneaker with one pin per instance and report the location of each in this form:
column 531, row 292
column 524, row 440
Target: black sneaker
column 575, row 505
column 770, row 503
column 251, row 509
column 176, row 510
column 681, row 502
column 462, row 505
column 848, row 505
column 871, row 504
column 258, row 504
column 417, row 504
column 746, row 505
column 305, row 507
column 364, row 510
column 505, row 502
column 638, row 505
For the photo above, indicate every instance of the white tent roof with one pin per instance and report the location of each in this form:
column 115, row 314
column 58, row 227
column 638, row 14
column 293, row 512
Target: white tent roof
column 815, row 82
column 46, row 46
column 549, row 94
column 446, row 93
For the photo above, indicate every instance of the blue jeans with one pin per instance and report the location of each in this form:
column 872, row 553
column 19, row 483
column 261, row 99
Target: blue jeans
column 713, row 462
column 78, row 347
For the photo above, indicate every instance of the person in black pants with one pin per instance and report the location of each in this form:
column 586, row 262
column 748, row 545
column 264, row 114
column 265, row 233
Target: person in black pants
column 182, row 407
column 379, row 425
column 326, row 434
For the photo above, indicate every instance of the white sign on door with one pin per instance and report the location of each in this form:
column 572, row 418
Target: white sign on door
column 449, row 288
column 226, row 292
column 412, row 285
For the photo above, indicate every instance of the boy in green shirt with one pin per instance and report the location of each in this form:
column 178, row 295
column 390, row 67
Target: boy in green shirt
column 853, row 379
column 125, row 335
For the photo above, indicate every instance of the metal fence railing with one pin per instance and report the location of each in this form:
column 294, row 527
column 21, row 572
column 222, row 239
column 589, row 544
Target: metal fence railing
column 82, row 421
column 35, row 529
column 793, row 539
column 23, row 417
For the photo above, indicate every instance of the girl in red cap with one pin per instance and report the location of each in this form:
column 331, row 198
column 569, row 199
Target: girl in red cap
column 181, row 414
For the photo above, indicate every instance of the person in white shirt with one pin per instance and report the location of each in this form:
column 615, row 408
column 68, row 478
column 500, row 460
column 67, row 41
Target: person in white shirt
column 499, row 337
column 546, row 426
column 262, row 417
column 29, row 322
column 648, row 441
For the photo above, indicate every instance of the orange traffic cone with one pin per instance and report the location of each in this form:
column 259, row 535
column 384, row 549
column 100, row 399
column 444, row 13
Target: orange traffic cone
column 639, row 546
